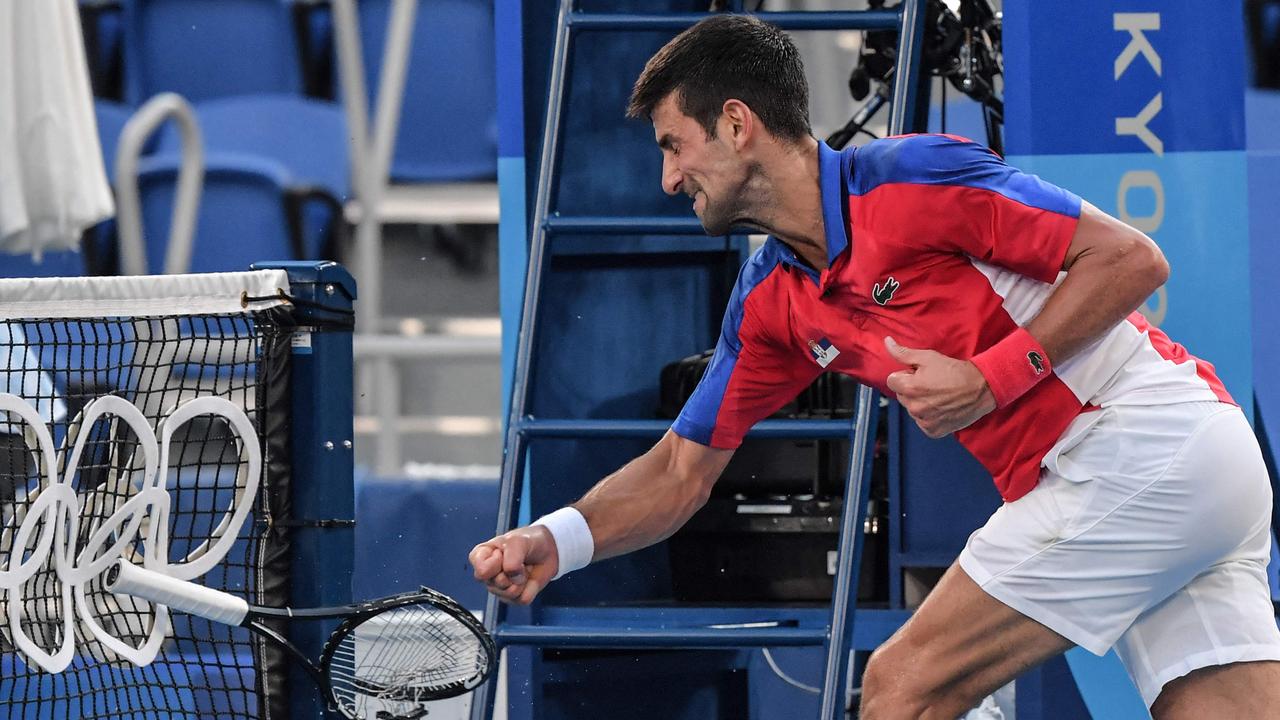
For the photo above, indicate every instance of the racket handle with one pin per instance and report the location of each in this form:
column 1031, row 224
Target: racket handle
column 125, row 578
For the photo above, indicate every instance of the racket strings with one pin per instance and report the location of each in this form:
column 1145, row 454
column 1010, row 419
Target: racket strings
column 410, row 654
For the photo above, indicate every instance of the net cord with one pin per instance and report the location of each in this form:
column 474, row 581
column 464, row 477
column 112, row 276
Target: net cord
column 141, row 296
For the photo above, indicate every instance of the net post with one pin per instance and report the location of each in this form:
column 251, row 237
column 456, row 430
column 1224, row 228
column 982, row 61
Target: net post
column 321, row 515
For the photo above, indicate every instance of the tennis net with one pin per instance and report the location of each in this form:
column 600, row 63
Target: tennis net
column 141, row 417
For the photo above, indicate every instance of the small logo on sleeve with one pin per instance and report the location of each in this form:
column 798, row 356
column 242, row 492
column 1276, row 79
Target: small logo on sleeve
column 883, row 293
column 1037, row 362
column 823, row 351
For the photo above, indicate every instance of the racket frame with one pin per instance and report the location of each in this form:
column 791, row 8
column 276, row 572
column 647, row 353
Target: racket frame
column 439, row 601
column 352, row 617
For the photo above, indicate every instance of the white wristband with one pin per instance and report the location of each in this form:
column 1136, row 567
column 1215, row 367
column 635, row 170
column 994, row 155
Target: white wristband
column 574, row 545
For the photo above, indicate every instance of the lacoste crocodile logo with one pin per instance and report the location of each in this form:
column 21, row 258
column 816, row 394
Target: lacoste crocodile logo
column 882, row 294
column 1037, row 362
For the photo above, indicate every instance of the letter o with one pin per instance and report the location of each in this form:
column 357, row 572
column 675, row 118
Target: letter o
column 1157, row 313
column 1141, row 179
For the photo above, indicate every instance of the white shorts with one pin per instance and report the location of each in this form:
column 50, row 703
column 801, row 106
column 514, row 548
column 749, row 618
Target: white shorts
column 1149, row 531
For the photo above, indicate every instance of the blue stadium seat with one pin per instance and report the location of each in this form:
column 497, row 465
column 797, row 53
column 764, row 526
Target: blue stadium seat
column 101, row 245
column 205, row 49
column 82, row 356
column 61, row 263
column 309, row 137
column 199, row 496
column 314, row 19
column 448, row 126
column 243, row 216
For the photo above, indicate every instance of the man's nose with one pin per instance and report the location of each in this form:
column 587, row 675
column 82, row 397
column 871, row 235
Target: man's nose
column 671, row 177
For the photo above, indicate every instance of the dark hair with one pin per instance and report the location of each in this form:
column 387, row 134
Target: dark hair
column 728, row 56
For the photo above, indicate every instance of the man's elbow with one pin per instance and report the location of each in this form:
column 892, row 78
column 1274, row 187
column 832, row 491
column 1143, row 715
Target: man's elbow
column 697, row 487
column 693, row 469
column 1147, row 264
column 1157, row 267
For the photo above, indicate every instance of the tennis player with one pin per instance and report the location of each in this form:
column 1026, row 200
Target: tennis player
column 995, row 307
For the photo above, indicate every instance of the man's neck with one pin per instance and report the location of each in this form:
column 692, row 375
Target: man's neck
column 794, row 215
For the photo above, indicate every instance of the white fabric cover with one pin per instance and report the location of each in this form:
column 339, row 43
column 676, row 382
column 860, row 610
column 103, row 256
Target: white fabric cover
column 140, row 295
column 52, row 182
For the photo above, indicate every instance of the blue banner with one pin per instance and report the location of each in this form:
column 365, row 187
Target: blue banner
column 1105, row 76
column 1139, row 108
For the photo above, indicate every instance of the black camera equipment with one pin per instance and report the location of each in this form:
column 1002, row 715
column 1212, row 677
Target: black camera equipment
column 963, row 49
column 1262, row 21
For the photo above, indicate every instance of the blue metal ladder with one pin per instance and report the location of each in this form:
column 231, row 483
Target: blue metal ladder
column 601, row 629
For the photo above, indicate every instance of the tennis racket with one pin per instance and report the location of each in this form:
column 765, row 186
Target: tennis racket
column 384, row 659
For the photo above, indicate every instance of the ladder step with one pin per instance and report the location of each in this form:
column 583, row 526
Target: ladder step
column 579, row 636
column 790, row 429
column 831, row 20
column 631, row 246
column 636, row 225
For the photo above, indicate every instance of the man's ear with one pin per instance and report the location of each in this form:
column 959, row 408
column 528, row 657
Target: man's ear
column 738, row 122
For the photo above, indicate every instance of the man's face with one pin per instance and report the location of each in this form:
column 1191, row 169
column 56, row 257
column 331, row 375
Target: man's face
column 709, row 170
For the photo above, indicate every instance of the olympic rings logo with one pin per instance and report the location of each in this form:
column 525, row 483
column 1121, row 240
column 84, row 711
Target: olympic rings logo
column 52, row 524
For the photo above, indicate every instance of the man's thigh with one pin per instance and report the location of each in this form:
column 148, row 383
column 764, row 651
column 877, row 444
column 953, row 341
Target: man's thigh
column 958, row 647
column 1238, row 690
column 1224, row 617
column 1148, row 501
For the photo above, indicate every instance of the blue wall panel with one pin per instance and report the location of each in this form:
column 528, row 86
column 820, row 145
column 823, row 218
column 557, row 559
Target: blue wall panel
column 1264, row 232
column 1201, row 224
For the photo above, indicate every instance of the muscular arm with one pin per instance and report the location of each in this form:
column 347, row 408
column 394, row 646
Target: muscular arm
column 1111, row 269
column 642, row 503
column 651, row 497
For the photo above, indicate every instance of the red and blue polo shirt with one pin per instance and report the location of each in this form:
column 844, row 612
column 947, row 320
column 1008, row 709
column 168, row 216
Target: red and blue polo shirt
column 936, row 241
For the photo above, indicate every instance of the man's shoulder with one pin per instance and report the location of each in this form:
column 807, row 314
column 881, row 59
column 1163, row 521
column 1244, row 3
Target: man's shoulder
column 896, row 146
column 924, row 159
column 754, row 284
column 766, row 260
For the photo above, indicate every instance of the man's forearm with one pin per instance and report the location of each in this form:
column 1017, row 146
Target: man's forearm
column 1102, row 287
column 649, row 498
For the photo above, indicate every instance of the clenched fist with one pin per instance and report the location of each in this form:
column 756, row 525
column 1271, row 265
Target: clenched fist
column 942, row 394
column 516, row 565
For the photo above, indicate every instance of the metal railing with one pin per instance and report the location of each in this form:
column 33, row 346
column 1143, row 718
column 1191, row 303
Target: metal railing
column 382, row 357
column 133, row 138
column 377, row 201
